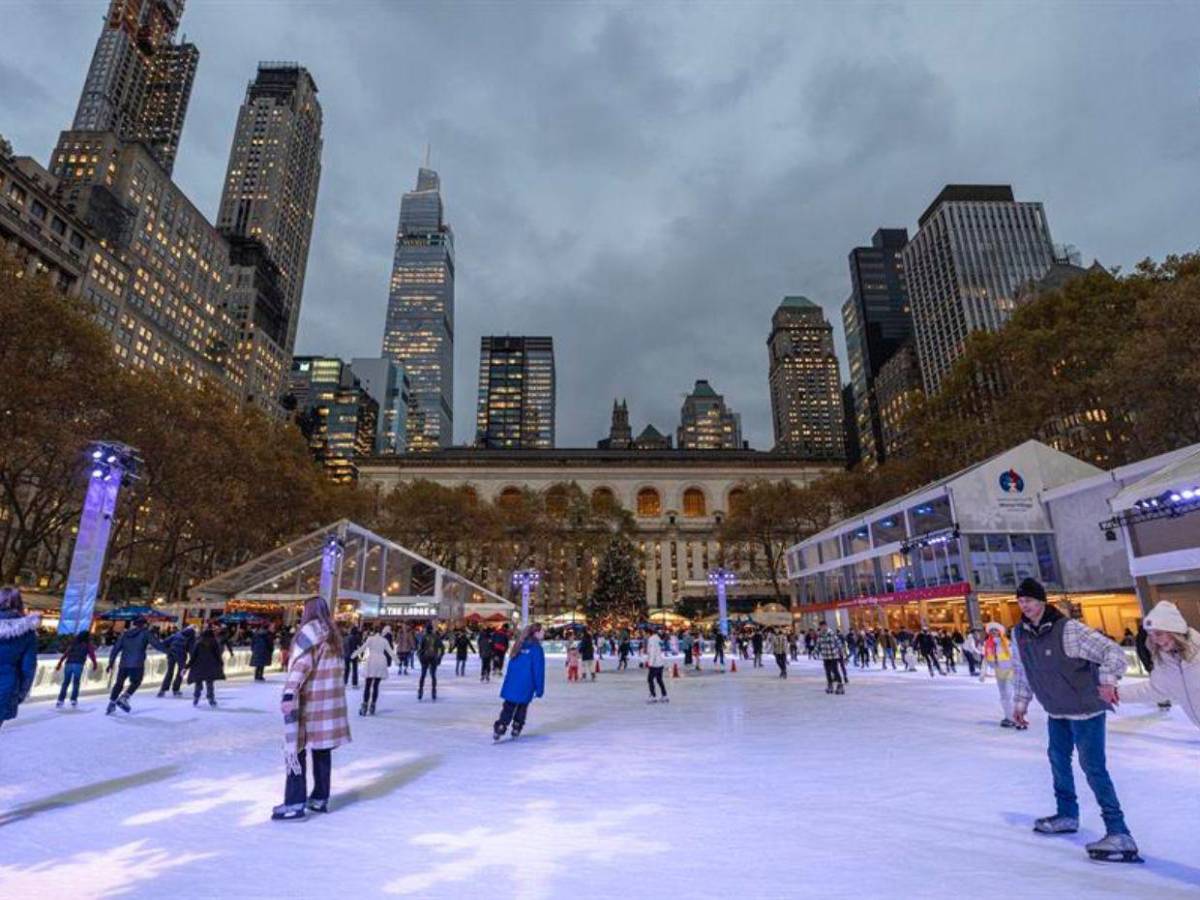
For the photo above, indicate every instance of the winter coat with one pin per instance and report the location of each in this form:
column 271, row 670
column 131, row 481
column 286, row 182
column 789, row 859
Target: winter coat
column 829, row 646
column 18, row 659
column 350, row 643
column 654, row 652
column 131, row 647
column 779, row 645
column 378, row 654
column 925, row 643
column 499, row 643
column 484, row 643
column 970, row 646
column 587, row 649
column 262, row 648
column 1174, row 679
column 318, row 720
column 205, row 662
column 525, row 675
column 78, row 652
column 433, row 648
column 757, row 642
column 997, row 653
column 180, row 644
column 887, row 641
column 462, row 647
column 405, row 642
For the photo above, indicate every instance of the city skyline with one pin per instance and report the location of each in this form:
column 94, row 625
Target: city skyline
column 535, row 177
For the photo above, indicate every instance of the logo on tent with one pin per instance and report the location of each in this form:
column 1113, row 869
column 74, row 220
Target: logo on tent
column 1011, row 482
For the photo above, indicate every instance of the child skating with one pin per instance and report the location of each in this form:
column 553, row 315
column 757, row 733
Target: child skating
column 524, row 680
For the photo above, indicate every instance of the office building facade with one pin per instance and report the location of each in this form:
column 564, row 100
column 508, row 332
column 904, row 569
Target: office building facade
column 419, row 333
column 805, row 382
column 705, row 423
column 335, row 413
column 388, row 386
column 975, row 249
column 516, row 406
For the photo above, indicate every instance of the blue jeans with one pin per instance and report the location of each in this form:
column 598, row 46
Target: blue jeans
column 72, row 673
column 1088, row 736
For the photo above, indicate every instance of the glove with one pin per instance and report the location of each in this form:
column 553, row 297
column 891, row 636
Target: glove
column 291, row 761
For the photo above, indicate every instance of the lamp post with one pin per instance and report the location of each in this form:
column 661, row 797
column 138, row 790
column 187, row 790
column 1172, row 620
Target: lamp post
column 526, row 580
column 111, row 465
column 720, row 578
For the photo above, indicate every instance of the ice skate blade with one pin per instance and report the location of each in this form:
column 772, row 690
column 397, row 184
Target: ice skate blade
column 1122, row 856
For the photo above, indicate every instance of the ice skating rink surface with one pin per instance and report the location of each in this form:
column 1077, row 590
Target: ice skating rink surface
column 744, row 785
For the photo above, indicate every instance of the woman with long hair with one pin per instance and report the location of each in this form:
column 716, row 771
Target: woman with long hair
column 314, row 710
column 205, row 667
column 1175, row 648
column 524, row 679
column 18, row 652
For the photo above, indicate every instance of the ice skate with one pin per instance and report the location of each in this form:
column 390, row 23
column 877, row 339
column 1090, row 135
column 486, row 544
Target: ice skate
column 362, row 710
column 58, row 705
column 1056, row 825
column 840, row 689
column 212, row 702
column 1007, row 723
column 161, row 694
column 371, row 710
column 498, row 731
column 1115, row 848
column 829, row 689
column 321, row 806
column 176, row 693
column 74, row 703
column 196, row 701
column 123, row 702
column 516, row 732
column 288, row 812
column 112, row 705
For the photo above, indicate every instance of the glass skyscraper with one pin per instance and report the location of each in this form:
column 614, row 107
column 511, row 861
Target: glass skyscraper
column 516, row 393
column 419, row 334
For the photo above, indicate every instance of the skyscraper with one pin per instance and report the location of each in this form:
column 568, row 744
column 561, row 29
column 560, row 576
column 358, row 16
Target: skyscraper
column 336, row 414
column 516, row 393
column 386, row 383
column 705, row 423
column 140, row 81
column 975, row 249
column 806, row 388
column 419, row 334
column 877, row 320
column 267, row 208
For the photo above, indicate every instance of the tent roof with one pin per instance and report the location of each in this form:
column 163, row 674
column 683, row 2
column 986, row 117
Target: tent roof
column 1183, row 474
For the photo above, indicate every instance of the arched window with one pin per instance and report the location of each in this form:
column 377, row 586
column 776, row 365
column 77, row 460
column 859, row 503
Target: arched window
column 603, row 498
column 736, row 497
column 510, row 498
column 556, row 500
column 693, row 503
column 649, row 503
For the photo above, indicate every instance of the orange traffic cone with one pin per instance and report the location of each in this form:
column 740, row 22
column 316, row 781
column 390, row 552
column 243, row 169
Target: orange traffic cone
column 733, row 665
column 675, row 671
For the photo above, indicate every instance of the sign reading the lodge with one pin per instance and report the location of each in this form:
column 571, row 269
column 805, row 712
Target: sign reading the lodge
column 937, row 592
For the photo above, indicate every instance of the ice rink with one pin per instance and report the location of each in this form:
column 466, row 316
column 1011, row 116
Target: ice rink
column 744, row 785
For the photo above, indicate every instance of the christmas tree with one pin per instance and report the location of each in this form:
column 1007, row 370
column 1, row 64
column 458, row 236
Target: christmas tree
column 619, row 597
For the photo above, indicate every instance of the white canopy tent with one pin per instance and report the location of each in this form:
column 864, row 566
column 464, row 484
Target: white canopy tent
column 379, row 577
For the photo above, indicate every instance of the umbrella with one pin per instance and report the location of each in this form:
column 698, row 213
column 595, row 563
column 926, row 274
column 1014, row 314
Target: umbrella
column 129, row 613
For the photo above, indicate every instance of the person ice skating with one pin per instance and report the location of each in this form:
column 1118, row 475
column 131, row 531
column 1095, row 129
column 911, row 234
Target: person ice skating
column 970, row 651
column 887, row 642
column 483, row 641
column 652, row 651
column 997, row 653
column 829, row 648
column 587, row 656
column 1175, row 664
column 946, row 641
column 841, row 660
column 205, row 666
column 462, row 648
column 406, row 645
column 756, row 643
column 623, row 651
column 130, row 648
column 350, row 645
column 500, row 641
column 926, row 646
column 179, row 647
column 78, row 651
column 262, row 648
column 572, row 662
column 719, row 649
column 685, row 644
column 378, row 654
column 793, row 646
column 430, row 657
column 779, row 648
column 18, row 652
column 285, row 646
column 1073, row 671
column 524, row 680
column 314, row 711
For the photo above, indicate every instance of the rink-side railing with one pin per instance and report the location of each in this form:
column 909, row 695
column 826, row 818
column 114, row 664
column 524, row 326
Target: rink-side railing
column 48, row 680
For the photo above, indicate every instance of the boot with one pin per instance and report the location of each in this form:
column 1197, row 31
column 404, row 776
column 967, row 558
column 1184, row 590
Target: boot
column 1056, row 825
column 362, row 710
column 58, row 705
column 287, row 812
column 1115, row 848
column 498, row 730
column 841, row 689
column 112, row 704
column 321, row 806
column 123, row 702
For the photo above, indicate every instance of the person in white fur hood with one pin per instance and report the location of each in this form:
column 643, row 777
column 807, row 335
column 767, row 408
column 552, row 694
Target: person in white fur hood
column 18, row 652
column 1176, row 651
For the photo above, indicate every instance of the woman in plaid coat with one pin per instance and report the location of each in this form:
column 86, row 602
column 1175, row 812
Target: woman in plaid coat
column 314, row 710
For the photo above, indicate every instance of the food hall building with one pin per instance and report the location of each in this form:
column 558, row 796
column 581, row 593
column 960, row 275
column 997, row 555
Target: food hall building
column 950, row 554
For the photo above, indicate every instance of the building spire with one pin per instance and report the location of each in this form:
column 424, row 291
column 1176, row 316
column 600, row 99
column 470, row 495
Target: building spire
column 428, row 150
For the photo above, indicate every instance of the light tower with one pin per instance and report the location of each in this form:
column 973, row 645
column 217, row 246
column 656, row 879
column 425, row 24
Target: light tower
column 720, row 578
column 526, row 580
column 112, row 465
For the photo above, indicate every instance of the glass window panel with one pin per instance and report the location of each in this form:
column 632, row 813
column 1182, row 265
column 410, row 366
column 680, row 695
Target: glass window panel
column 888, row 530
column 931, row 515
column 1044, row 547
column 1024, row 561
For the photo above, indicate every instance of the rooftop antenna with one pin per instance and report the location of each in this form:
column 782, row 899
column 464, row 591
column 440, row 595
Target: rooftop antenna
column 427, row 151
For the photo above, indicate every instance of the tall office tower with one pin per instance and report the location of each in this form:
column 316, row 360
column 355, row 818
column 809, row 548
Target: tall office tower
column 897, row 390
column 140, row 81
column 705, row 423
column 620, row 435
column 853, row 448
column 266, row 213
column 877, row 321
column 806, row 387
column 335, row 413
column 975, row 249
column 386, row 383
column 419, row 334
column 516, row 393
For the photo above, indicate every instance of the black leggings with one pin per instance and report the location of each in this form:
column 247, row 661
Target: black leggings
column 833, row 674
column 655, row 674
column 781, row 661
column 431, row 670
column 485, row 668
column 371, row 691
column 513, row 713
column 204, row 683
column 134, row 676
column 351, row 668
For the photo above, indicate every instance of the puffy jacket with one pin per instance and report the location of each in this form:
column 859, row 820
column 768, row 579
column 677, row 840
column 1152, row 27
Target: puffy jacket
column 206, row 662
column 525, row 675
column 654, row 652
column 432, row 649
column 18, row 659
column 1174, row 679
column 262, row 647
column 131, row 647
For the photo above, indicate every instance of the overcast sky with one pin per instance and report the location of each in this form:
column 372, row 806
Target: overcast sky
column 645, row 182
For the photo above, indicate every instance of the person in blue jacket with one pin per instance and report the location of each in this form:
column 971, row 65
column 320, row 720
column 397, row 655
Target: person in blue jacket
column 524, row 680
column 18, row 652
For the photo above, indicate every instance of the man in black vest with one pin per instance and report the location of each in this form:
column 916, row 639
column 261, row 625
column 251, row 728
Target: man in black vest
column 1073, row 671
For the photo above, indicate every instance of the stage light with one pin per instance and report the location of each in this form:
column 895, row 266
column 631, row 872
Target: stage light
column 96, row 473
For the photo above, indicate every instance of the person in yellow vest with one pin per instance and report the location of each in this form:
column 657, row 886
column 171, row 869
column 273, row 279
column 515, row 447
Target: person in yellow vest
column 997, row 653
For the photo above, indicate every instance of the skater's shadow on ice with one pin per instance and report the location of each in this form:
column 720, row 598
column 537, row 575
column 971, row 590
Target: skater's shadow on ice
column 86, row 793
column 241, row 709
column 1171, row 869
column 45, row 717
column 389, row 780
column 560, row 726
column 151, row 722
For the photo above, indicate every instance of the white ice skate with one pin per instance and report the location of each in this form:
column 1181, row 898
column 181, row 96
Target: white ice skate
column 1056, row 825
column 1115, row 848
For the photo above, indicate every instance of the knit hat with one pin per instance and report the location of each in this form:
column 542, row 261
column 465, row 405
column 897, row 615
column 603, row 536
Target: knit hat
column 1032, row 588
column 1165, row 617
column 995, row 626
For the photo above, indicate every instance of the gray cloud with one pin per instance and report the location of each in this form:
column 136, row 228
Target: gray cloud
column 644, row 182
